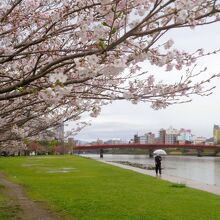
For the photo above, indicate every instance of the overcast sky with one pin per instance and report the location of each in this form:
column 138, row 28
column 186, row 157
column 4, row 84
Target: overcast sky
column 122, row 119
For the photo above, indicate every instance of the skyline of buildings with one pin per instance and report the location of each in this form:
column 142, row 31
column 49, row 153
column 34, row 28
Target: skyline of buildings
column 170, row 136
column 167, row 136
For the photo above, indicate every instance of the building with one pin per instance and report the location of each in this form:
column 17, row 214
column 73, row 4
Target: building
column 171, row 135
column 199, row 140
column 136, row 139
column 99, row 141
column 115, row 141
column 142, row 139
column 150, row 138
column 216, row 134
column 162, row 135
column 185, row 136
column 210, row 141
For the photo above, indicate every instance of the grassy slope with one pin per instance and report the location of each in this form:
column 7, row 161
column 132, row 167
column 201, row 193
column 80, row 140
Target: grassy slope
column 96, row 191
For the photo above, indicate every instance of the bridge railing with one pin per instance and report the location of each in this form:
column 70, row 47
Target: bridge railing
column 147, row 146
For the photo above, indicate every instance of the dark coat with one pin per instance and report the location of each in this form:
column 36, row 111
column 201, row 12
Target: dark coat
column 158, row 159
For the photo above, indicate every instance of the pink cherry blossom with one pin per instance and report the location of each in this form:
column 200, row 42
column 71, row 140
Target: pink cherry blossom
column 61, row 59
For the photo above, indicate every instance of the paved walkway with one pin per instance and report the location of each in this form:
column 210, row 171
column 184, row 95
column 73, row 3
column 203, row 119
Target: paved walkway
column 189, row 183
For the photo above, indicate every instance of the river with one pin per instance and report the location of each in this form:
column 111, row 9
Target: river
column 202, row 169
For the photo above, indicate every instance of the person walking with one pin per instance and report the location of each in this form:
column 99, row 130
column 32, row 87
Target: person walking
column 158, row 160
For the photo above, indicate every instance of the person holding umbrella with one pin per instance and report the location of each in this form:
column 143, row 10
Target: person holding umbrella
column 158, row 160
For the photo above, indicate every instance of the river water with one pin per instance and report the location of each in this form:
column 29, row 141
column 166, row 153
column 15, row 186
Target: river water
column 202, row 169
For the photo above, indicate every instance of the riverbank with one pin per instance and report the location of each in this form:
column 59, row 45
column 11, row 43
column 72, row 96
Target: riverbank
column 84, row 189
column 179, row 180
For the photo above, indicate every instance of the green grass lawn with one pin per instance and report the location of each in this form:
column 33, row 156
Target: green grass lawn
column 3, row 206
column 84, row 189
column 7, row 210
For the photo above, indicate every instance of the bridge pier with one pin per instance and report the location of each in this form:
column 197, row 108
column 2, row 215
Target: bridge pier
column 101, row 153
column 199, row 152
column 151, row 153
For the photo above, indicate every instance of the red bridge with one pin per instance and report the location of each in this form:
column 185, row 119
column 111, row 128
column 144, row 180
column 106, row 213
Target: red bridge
column 150, row 147
column 147, row 146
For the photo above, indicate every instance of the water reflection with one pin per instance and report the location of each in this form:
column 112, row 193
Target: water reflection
column 202, row 169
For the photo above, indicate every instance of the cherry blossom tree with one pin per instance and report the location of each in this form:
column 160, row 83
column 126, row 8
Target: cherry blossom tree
column 61, row 58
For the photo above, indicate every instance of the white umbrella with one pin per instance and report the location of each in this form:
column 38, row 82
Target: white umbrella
column 160, row 152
